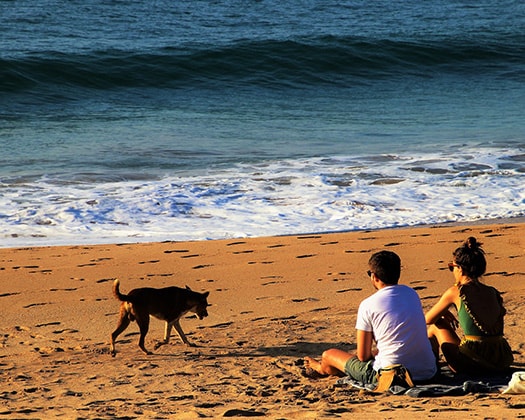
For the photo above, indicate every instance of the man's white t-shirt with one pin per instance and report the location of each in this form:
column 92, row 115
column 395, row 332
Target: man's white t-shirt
column 395, row 317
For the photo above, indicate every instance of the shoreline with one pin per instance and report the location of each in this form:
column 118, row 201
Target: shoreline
column 497, row 221
column 273, row 301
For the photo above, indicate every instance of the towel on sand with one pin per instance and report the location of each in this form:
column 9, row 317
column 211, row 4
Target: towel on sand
column 445, row 383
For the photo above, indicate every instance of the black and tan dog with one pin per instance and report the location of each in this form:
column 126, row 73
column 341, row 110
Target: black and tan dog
column 168, row 304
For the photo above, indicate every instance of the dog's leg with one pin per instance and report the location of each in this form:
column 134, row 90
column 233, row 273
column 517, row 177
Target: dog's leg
column 167, row 334
column 143, row 322
column 177, row 326
column 122, row 324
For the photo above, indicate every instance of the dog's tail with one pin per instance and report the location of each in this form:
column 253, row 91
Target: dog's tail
column 117, row 294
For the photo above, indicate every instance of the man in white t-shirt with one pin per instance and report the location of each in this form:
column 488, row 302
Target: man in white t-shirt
column 393, row 318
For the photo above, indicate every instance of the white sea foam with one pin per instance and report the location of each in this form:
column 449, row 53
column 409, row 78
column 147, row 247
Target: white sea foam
column 271, row 198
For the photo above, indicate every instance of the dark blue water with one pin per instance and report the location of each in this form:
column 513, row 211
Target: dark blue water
column 105, row 93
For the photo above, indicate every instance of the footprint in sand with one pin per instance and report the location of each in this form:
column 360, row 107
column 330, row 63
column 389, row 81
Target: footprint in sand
column 362, row 251
column 354, row 289
column 149, row 262
column 249, row 251
column 284, row 318
column 35, row 304
column 429, row 297
column 197, row 267
column 48, row 324
column 276, row 281
column 190, row 256
column 170, row 251
column 9, row 294
column 238, row 412
column 269, row 283
column 48, row 350
column 21, row 328
column 342, row 274
column 306, row 256
column 308, row 299
column 65, row 330
column 260, row 262
column 180, row 397
column 462, row 230
column 324, row 308
column 221, row 325
column 105, row 280
column 275, row 246
column 160, row 275
column 148, row 366
column 235, row 243
column 268, row 297
column 502, row 273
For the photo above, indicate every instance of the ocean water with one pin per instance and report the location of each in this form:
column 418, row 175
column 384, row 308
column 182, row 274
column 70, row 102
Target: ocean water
column 190, row 120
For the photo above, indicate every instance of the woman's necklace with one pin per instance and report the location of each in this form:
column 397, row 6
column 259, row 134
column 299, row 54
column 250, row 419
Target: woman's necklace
column 459, row 283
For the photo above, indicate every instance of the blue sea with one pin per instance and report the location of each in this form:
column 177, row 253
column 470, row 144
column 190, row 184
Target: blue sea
column 134, row 121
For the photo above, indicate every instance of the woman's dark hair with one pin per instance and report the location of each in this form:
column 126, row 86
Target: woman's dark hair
column 471, row 258
column 386, row 265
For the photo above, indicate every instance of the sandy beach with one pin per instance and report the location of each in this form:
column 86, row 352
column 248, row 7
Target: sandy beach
column 273, row 301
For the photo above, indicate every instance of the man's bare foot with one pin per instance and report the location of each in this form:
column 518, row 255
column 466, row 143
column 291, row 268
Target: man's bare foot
column 313, row 368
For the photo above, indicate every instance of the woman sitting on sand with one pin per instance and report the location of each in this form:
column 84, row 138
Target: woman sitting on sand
column 480, row 312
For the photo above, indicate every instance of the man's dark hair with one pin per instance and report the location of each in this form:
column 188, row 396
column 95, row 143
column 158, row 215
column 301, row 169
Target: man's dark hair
column 386, row 265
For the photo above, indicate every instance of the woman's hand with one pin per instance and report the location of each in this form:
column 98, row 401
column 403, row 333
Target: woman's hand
column 448, row 320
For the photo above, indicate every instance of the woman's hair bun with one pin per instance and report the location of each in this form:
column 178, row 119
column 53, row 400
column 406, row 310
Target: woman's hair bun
column 472, row 243
column 471, row 258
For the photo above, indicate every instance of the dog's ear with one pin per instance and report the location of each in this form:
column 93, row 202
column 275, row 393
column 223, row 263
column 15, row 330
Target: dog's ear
column 206, row 294
column 188, row 287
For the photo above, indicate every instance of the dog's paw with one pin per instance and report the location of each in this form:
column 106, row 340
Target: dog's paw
column 158, row 345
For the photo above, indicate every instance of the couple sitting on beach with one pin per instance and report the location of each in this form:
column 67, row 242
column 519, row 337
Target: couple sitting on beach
column 393, row 318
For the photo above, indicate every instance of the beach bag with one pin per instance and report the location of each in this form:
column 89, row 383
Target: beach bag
column 516, row 384
column 393, row 375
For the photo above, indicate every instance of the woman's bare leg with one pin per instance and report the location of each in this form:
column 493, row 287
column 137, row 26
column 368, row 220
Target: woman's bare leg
column 448, row 341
